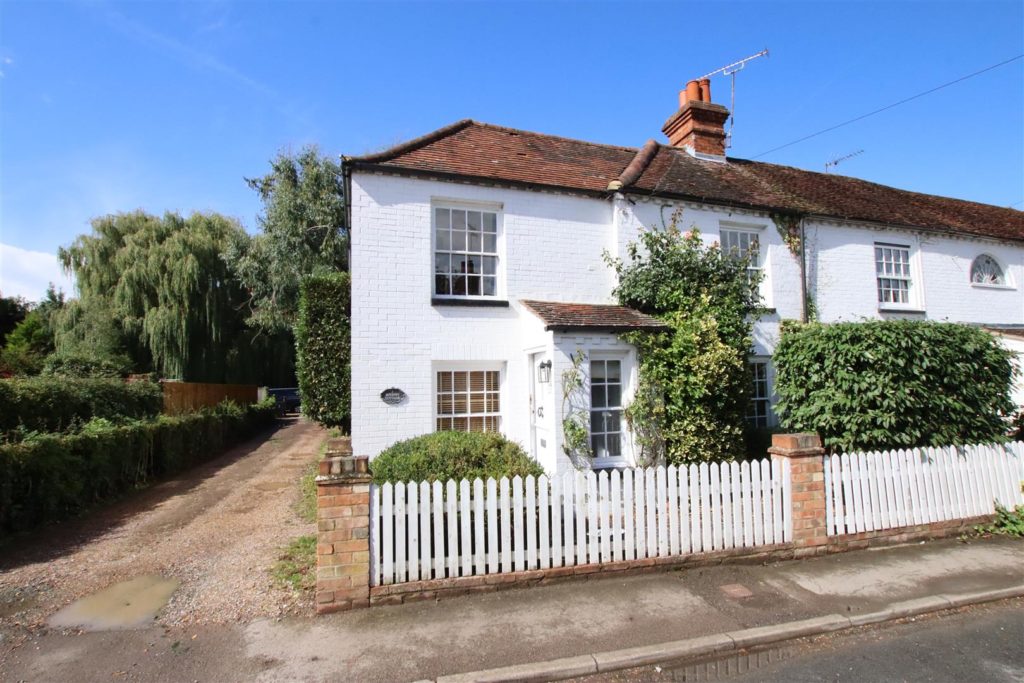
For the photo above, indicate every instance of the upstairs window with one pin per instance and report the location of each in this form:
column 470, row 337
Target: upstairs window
column 892, row 270
column 743, row 244
column 465, row 253
column 986, row 271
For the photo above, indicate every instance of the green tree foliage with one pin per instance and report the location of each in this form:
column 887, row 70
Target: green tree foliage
column 324, row 351
column 695, row 381
column 12, row 311
column 302, row 233
column 453, row 455
column 157, row 289
column 893, row 384
column 33, row 338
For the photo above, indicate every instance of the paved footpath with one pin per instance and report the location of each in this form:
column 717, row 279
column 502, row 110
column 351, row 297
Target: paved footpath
column 472, row 633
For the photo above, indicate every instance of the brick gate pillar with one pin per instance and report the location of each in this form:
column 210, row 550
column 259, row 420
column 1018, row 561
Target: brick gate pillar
column 343, row 529
column 807, row 476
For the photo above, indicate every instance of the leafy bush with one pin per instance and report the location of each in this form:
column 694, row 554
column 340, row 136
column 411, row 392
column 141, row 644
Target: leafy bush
column 893, row 384
column 50, row 404
column 695, row 381
column 73, row 364
column 453, row 455
column 1007, row 522
column 48, row 477
column 323, row 345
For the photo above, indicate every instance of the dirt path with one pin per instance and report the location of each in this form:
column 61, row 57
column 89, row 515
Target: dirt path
column 216, row 529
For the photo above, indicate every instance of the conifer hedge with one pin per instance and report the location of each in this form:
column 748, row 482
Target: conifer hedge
column 54, row 404
column 893, row 384
column 48, row 477
column 324, row 349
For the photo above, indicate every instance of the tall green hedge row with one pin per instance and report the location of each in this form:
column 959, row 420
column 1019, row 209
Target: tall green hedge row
column 324, row 349
column 53, row 404
column 893, row 384
column 49, row 477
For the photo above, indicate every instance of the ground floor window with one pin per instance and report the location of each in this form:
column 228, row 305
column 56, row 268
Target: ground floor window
column 606, row 408
column 468, row 401
column 759, row 413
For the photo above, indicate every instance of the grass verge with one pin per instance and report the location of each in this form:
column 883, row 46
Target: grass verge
column 296, row 565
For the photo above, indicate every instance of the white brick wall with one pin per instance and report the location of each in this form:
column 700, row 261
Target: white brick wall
column 552, row 249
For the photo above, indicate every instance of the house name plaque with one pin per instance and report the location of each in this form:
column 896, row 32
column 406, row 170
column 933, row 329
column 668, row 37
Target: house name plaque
column 392, row 396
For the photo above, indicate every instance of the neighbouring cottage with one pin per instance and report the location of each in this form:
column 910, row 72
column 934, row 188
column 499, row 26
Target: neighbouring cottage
column 478, row 270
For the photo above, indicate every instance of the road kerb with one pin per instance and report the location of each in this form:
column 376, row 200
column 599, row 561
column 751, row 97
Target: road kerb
column 665, row 652
column 647, row 655
column 552, row 670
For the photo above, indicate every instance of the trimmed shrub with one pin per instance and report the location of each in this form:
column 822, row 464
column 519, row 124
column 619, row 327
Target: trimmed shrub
column 53, row 476
column 893, row 384
column 71, row 364
column 323, row 346
column 51, row 404
column 453, row 455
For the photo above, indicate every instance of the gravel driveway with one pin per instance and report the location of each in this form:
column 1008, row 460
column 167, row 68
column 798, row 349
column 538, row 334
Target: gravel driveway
column 216, row 529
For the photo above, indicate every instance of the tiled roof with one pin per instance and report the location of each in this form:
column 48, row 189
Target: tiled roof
column 562, row 316
column 488, row 153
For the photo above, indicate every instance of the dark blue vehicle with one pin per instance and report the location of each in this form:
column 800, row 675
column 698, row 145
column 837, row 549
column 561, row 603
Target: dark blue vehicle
column 287, row 398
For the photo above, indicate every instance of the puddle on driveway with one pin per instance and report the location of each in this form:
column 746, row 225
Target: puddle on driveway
column 125, row 605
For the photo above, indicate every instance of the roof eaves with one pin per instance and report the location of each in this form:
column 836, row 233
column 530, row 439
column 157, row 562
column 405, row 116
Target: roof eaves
column 391, row 169
column 415, row 143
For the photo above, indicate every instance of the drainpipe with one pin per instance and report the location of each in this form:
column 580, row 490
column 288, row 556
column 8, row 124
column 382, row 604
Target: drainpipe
column 346, row 184
column 803, row 272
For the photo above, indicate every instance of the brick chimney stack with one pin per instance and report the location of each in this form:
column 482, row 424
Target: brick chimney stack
column 699, row 125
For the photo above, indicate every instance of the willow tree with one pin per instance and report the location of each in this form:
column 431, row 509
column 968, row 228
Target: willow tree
column 165, row 285
column 302, row 233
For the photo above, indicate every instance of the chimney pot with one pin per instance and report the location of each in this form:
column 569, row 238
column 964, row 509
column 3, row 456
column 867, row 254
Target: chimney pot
column 692, row 93
column 705, row 90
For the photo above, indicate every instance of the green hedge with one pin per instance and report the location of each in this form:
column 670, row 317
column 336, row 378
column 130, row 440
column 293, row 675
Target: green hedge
column 893, row 384
column 324, row 350
column 53, row 476
column 453, row 455
column 52, row 404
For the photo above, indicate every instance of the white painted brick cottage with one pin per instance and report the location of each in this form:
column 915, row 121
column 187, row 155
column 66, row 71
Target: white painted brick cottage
column 478, row 270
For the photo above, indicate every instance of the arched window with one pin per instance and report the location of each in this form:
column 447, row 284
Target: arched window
column 986, row 271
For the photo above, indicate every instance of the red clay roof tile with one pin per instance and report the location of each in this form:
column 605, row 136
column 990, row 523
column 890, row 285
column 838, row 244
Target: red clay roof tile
column 468, row 149
column 565, row 316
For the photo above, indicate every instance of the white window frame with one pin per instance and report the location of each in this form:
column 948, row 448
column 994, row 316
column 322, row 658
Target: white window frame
column 757, row 231
column 912, row 277
column 624, row 380
column 498, row 253
column 1005, row 284
column 468, row 366
column 769, row 414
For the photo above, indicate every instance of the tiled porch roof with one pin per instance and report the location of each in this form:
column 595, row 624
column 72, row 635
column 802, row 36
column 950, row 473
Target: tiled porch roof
column 560, row 316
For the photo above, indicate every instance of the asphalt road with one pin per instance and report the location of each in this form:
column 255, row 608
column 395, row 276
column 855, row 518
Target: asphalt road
column 981, row 644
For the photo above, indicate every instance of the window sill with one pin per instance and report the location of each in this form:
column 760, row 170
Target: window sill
column 482, row 303
column 901, row 309
column 979, row 285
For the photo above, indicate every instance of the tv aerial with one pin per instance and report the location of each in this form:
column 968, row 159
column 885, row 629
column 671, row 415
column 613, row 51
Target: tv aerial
column 835, row 161
column 731, row 70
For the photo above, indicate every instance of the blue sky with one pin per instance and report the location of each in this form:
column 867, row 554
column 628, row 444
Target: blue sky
column 109, row 106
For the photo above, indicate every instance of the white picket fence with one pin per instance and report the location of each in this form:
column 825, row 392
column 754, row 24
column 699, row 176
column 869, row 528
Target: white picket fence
column 427, row 531
column 892, row 489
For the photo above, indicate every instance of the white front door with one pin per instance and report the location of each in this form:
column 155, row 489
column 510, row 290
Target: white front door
column 541, row 408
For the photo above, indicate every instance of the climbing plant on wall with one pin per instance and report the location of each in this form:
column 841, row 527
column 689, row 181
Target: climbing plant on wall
column 695, row 382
